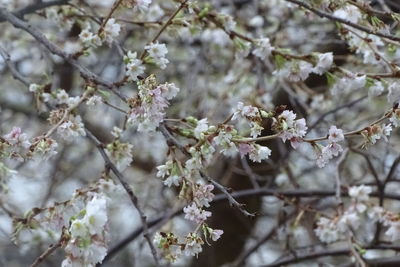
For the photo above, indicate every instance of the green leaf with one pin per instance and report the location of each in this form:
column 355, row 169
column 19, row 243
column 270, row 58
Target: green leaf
column 331, row 78
column 280, row 61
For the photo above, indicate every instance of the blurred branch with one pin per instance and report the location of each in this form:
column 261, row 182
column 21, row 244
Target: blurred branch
column 298, row 257
column 45, row 254
column 171, row 141
column 239, row 194
column 134, row 199
column 35, row 7
column 54, row 49
column 344, row 21
column 11, row 66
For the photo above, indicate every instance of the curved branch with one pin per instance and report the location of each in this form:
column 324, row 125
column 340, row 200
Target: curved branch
column 344, row 21
column 239, row 194
column 54, row 49
column 20, row 13
column 323, row 253
column 134, row 199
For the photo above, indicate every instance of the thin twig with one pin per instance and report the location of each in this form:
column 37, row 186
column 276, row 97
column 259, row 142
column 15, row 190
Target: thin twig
column 299, row 193
column 344, row 21
column 47, row 253
column 172, row 141
column 134, row 199
column 35, row 7
column 41, row 38
column 11, row 66
column 164, row 27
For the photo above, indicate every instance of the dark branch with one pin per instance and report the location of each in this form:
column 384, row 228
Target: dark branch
column 20, row 13
column 41, row 38
column 11, row 66
column 172, row 141
column 239, row 194
column 299, row 257
column 344, row 21
column 135, row 201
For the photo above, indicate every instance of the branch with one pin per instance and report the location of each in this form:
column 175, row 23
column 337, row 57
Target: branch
column 239, row 194
column 392, row 171
column 172, row 141
column 344, row 21
column 35, row 7
column 128, row 189
column 45, row 254
column 164, row 27
column 323, row 253
column 12, row 68
column 41, row 38
column 333, row 111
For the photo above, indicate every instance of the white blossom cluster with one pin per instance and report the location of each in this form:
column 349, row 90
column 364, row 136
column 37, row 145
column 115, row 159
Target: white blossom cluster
column 148, row 108
column 330, row 230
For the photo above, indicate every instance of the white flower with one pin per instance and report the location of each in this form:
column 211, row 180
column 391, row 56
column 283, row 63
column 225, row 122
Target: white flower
column 376, row 213
column 259, row 153
column 333, row 150
column 202, row 194
column 62, row 97
column 121, row 153
column 169, row 90
column 394, row 93
column 358, row 82
column 157, row 238
column 16, row 137
column 202, row 126
column 72, row 262
column 72, row 128
column 96, row 214
column 173, row 180
column 244, row 111
column 142, row 5
column 376, row 89
column 45, row 149
column 325, row 153
column 395, row 118
column 349, row 13
column 348, row 84
column 148, row 111
column 394, row 231
column 193, row 247
column 158, row 52
column 78, row 229
column 111, row 30
column 95, row 253
column 324, row 63
column 89, row 39
column 348, row 221
column 223, row 140
column 94, row 100
column 71, row 47
column 33, row 87
column 335, row 134
column 360, row 193
column 289, row 128
column 327, row 230
column 216, row 234
column 164, row 170
column 263, row 48
column 195, row 214
column 134, row 66
column 295, row 70
column 256, row 21
column 255, row 129
column 73, row 101
column 116, row 132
